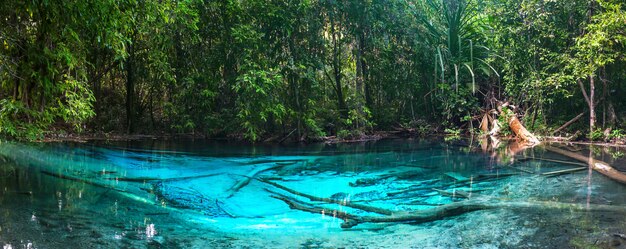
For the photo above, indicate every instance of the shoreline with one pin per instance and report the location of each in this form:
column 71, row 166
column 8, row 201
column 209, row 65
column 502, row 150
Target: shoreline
column 375, row 136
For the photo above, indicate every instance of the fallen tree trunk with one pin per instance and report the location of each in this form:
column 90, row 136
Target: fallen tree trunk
column 597, row 165
column 521, row 131
column 515, row 125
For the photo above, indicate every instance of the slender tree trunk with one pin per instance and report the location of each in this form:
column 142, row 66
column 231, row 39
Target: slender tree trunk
column 359, row 63
column 604, row 105
column 589, row 98
column 16, row 88
column 365, row 89
column 130, row 89
column 592, row 107
column 341, row 104
column 228, row 56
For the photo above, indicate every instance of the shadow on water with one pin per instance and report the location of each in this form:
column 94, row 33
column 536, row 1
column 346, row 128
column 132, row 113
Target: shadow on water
column 182, row 194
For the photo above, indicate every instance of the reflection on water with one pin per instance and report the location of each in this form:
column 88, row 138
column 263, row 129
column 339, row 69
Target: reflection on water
column 182, row 194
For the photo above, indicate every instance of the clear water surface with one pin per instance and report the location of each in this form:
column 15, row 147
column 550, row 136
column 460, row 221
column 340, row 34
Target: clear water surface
column 202, row 194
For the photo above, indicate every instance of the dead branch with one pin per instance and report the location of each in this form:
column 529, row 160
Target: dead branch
column 568, row 123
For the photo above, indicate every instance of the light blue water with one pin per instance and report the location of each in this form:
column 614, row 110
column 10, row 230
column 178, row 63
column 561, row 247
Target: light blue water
column 200, row 194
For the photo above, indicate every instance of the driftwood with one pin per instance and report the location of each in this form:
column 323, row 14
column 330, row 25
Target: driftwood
column 597, row 165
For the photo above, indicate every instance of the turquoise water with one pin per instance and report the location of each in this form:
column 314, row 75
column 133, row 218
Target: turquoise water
column 202, row 194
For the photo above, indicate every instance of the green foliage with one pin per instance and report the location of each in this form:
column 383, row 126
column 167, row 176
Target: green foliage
column 11, row 115
column 452, row 132
column 596, row 135
column 260, row 86
column 255, row 69
column 350, row 134
column 456, row 105
column 616, row 134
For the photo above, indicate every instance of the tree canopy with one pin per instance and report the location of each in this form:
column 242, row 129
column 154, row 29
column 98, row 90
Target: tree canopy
column 255, row 69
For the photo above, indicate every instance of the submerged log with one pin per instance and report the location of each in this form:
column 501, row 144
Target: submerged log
column 297, row 205
column 451, row 210
column 597, row 165
column 246, row 179
column 459, row 208
column 551, row 160
column 346, row 203
column 77, row 179
column 564, row 171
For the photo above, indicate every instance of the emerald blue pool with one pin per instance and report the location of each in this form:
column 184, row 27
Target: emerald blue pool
column 208, row 194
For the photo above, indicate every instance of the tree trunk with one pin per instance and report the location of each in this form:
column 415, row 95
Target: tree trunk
column 589, row 98
column 130, row 89
column 341, row 104
column 592, row 104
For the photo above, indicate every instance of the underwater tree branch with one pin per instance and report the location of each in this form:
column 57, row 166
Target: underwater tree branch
column 346, row 203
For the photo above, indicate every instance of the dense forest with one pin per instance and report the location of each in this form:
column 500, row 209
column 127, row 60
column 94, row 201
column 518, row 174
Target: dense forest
column 255, row 69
